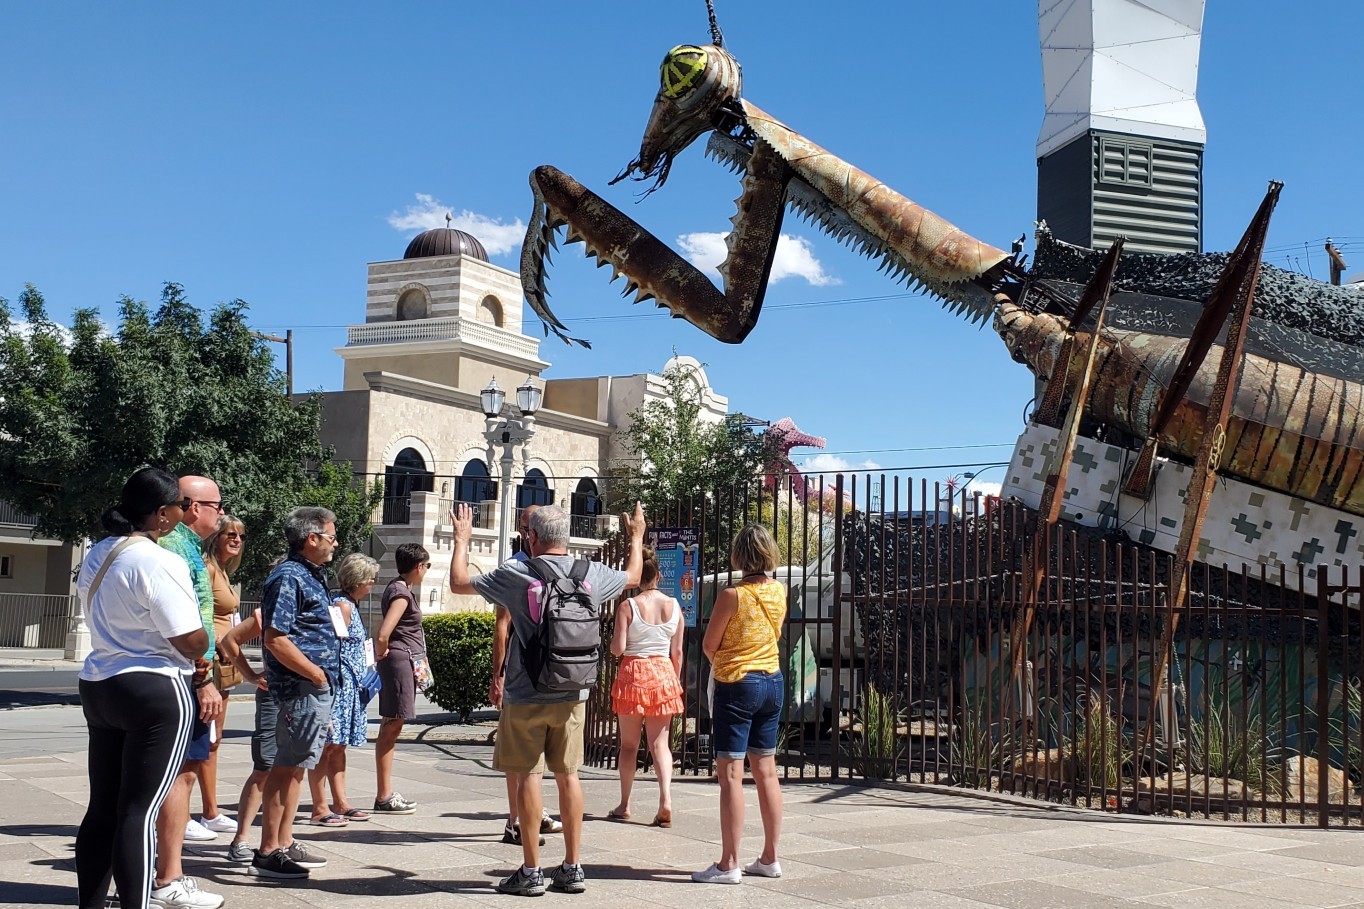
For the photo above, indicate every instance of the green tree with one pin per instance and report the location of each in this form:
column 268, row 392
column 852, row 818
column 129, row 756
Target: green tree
column 677, row 457
column 82, row 408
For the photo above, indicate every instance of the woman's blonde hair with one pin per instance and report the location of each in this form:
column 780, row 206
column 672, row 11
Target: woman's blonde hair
column 648, row 572
column 355, row 571
column 753, row 550
column 225, row 523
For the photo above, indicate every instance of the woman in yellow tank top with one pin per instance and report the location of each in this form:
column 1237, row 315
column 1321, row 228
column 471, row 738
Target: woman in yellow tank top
column 742, row 644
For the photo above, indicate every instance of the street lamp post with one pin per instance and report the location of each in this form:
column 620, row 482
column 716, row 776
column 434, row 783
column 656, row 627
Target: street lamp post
column 509, row 432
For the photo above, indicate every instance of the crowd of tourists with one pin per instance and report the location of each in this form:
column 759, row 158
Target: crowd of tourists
column 167, row 638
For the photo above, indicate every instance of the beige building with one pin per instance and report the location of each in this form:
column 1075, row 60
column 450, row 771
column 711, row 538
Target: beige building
column 36, row 583
column 440, row 324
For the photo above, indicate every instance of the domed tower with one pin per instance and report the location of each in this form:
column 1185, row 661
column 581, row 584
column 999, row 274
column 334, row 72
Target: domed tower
column 442, row 313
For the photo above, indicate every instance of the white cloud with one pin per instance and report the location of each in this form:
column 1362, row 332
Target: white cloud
column 985, row 488
column 828, row 463
column 497, row 237
column 795, row 257
column 25, row 330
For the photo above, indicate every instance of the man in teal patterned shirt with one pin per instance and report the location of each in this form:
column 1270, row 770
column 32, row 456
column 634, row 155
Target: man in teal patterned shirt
column 173, row 824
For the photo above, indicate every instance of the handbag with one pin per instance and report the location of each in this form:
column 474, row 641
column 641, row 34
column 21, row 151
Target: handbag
column 369, row 685
column 421, row 674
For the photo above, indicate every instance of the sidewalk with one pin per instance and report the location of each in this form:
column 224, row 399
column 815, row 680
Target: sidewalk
column 845, row 846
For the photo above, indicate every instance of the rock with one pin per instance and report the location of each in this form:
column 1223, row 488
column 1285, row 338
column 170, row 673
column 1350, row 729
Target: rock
column 1052, row 765
column 1304, row 775
column 1181, row 786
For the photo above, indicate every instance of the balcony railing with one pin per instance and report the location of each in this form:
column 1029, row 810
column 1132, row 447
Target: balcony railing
column 34, row 620
column 13, row 517
column 591, row 527
column 445, row 329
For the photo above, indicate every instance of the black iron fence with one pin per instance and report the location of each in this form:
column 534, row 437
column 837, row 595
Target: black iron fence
column 911, row 654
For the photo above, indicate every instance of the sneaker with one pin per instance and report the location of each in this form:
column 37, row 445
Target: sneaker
column 713, row 875
column 568, row 879
column 550, row 825
column 758, row 869
column 220, row 824
column 240, row 852
column 394, row 804
column 301, row 856
column 512, row 835
column 198, row 833
column 277, row 865
column 184, row 893
column 523, row 884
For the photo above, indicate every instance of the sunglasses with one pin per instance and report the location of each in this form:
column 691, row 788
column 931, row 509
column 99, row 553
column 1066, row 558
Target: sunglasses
column 182, row 504
column 234, row 535
column 216, row 505
column 329, row 537
column 426, row 564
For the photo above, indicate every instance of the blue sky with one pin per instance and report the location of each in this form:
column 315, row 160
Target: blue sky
column 267, row 151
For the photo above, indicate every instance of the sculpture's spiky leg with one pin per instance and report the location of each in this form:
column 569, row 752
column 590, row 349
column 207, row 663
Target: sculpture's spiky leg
column 652, row 270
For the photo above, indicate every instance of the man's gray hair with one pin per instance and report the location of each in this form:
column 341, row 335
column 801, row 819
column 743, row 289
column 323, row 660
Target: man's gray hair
column 550, row 524
column 301, row 522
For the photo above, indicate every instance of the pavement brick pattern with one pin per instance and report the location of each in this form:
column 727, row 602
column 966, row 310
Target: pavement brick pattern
column 842, row 845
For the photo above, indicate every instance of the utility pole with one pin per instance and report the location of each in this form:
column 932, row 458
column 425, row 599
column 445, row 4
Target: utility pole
column 288, row 342
column 1338, row 265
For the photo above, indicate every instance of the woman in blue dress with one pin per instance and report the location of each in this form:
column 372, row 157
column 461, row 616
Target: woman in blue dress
column 356, row 575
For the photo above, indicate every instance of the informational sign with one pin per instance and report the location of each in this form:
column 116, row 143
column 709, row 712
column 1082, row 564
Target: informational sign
column 679, row 556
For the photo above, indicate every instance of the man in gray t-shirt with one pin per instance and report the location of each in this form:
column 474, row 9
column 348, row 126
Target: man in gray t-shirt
column 538, row 730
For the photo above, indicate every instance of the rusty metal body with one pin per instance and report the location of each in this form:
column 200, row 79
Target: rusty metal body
column 1290, row 429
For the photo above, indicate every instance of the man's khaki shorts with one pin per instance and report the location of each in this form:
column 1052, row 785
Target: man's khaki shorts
column 531, row 737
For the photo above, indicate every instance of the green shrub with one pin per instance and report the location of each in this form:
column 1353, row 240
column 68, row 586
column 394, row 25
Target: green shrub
column 875, row 747
column 460, row 648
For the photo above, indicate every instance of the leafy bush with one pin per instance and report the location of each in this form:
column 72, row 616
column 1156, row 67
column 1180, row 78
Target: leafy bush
column 460, row 648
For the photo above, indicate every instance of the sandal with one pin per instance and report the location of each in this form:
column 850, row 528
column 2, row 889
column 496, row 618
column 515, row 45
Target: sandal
column 355, row 814
column 329, row 820
column 618, row 816
column 664, row 818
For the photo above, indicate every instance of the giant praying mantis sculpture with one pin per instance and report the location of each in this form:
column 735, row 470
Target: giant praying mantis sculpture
column 1295, row 428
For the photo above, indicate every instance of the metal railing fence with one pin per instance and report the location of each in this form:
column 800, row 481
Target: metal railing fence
column 910, row 654
column 34, row 620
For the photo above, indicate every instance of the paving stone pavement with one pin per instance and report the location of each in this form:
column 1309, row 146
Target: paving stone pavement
column 841, row 845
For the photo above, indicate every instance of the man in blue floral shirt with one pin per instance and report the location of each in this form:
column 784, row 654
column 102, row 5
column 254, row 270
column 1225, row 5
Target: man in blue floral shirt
column 302, row 660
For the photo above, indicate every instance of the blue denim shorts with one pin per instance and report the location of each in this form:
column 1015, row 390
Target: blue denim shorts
column 746, row 714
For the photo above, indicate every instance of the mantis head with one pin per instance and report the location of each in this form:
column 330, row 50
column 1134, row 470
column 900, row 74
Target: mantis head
column 696, row 85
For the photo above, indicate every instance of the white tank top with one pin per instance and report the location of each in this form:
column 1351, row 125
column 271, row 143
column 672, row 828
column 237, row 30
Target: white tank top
column 645, row 640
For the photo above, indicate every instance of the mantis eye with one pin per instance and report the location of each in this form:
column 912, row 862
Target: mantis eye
column 682, row 69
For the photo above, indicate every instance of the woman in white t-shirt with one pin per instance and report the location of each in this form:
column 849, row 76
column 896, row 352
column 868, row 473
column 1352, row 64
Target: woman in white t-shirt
column 145, row 631
column 647, row 693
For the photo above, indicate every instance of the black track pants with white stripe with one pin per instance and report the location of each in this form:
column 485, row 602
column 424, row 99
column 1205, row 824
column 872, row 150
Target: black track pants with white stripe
column 139, row 728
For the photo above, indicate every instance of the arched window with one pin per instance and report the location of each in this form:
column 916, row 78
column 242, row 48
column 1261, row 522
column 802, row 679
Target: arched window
column 534, row 490
column 585, row 509
column 412, row 305
column 475, row 486
column 490, row 311
column 407, row 474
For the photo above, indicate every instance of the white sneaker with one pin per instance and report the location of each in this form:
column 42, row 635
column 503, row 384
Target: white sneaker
column 198, row 833
column 713, row 875
column 220, row 824
column 184, row 893
column 758, row 869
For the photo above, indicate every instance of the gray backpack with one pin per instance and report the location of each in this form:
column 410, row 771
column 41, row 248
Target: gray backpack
column 564, row 653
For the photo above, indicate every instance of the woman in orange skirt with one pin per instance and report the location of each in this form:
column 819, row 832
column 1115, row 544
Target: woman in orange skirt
column 648, row 691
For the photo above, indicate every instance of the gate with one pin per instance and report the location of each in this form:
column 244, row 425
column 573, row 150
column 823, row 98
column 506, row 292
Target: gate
column 910, row 656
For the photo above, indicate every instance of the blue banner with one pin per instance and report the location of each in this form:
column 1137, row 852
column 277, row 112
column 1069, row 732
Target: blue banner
column 679, row 556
